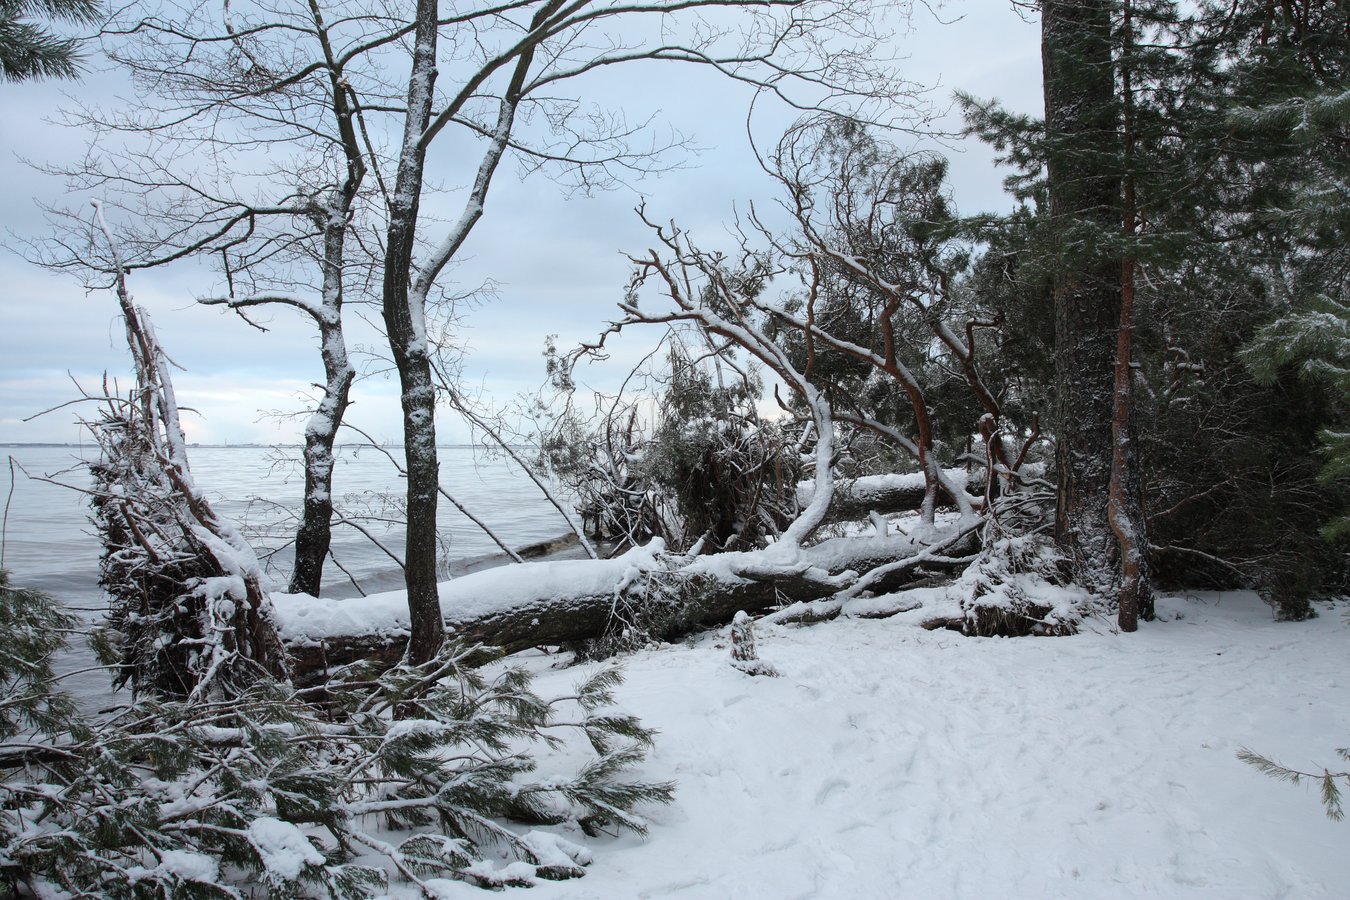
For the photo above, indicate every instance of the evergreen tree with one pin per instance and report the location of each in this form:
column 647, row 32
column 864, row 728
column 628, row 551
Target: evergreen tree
column 1328, row 789
column 1315, row 339
column 34, row 629
column 29, row 50
column 1216, row 238
column 1097, row 510
column 270, row 791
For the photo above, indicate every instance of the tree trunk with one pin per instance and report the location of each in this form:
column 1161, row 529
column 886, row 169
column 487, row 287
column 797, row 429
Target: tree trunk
column 1082, row 162
column 313, row 537
column 315, row 534
column 405, row 327
column 1125, row 508
column 530, row 610
column 855, row 498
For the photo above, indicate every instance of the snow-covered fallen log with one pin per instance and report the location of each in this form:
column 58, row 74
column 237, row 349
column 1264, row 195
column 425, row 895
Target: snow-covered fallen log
column 563, row 601
column 854, row 498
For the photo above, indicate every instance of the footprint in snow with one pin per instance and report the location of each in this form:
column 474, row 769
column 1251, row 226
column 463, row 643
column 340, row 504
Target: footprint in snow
column 830, row 788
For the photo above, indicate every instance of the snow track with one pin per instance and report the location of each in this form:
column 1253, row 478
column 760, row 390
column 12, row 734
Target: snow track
column 893, row 762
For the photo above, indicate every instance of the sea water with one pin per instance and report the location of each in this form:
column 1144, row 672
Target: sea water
column 50, row 544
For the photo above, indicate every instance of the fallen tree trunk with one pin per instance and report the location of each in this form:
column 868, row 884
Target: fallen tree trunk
column 855, row 498
column 566, row 601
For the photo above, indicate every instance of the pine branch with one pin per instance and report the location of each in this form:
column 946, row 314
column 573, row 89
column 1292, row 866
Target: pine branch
column 1329, row 791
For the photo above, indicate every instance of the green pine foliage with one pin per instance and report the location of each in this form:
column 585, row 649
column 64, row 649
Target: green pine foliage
column 421, row 773
column 1238, row 160
column 33, row 628
column 29, row 50
column 1315, row 341
column 1328, row 790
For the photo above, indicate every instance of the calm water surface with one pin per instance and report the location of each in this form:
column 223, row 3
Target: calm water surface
column 49, row 543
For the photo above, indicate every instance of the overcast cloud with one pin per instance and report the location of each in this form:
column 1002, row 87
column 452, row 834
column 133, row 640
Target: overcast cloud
column 557, row 259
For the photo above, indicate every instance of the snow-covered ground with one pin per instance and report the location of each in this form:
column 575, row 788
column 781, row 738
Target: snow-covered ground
column 892, row 762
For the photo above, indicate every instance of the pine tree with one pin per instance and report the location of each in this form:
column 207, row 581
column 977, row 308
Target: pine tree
column 1097, row 511
column 1216, row 236
column 29, row 50
column 199, row 800
column 1315, row 340
column 1328, row 789
column 34, row 629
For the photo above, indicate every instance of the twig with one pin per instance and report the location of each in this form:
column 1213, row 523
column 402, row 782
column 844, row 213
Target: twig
column 4, row 524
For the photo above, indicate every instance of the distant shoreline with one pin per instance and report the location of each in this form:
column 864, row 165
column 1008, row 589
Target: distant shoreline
column 50, row 446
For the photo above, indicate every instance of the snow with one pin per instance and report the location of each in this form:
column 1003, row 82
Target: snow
column 878, row 485
column 283, row 848
column 556, row 851
column 889, row 761
column 182, row 864
column 302, row 619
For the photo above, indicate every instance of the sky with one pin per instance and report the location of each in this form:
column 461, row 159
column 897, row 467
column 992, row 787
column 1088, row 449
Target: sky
column 557, row 258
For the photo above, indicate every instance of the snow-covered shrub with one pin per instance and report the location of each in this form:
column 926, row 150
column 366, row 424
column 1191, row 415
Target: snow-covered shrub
column 697, row 468
column 1016, row 587
column 601, row 470
column 1020, row 582
column 732, row 477
column 414, row 774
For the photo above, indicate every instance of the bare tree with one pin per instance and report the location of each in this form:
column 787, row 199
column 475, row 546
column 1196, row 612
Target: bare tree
column 527, row 52
column 720, row 297
column 881, row 220
column 872, row 314
column 337, row 97
column 268, row 182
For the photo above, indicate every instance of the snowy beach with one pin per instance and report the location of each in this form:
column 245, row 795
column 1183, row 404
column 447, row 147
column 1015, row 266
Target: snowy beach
column 892, row 762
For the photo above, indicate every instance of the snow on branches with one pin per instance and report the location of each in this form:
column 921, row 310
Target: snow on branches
column 411, row 775
column 190, row 616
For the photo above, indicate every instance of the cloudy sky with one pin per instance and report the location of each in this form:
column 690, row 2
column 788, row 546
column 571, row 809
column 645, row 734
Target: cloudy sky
column 556, row 258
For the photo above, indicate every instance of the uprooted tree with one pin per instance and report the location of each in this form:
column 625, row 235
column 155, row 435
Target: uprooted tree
column 887, row 329
column 843, row 310
column 529, row 56
column 189, row 608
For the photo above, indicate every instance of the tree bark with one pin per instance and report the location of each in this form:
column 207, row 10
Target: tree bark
column 405, row 328
column 542, row 616
column 1082, row 161
column 315, row 534
column 1125, row 507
